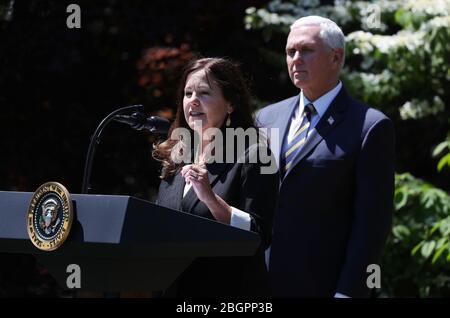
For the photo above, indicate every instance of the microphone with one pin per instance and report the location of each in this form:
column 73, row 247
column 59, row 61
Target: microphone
column 138, row 121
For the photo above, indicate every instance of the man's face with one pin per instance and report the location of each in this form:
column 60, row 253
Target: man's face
column 311, row 63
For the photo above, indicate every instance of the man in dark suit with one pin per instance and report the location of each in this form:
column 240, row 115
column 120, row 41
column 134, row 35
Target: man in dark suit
column 336, row 161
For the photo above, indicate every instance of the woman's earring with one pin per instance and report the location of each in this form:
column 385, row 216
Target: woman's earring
column 228, row 123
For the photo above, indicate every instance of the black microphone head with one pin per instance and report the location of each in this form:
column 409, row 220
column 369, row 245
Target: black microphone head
column 138, row 121
column 135, row 120
column 157, row 125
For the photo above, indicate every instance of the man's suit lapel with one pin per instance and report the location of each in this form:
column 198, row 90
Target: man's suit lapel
column 215, row 170
column 283, row 122
column 332, row 117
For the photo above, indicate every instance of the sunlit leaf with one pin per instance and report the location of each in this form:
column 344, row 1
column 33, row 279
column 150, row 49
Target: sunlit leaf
column 401, row 231
column 445, row 161
column 439, row 253
column 416, row 248
column 427, row 248
column 439, row 148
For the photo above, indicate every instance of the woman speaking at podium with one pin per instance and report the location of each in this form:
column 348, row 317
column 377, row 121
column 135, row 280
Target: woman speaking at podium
column 213, row 179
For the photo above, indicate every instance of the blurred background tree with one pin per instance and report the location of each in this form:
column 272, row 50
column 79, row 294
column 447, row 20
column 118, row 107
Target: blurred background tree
column 56, row 84
column 397, row 60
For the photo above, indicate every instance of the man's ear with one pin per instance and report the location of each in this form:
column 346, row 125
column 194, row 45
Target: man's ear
column 337, row 56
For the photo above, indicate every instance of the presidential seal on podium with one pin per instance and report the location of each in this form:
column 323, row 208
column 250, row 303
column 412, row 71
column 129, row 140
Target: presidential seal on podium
column 49, row 216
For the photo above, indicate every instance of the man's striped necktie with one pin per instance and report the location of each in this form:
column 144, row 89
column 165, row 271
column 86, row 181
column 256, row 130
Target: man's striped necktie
column 291, row 149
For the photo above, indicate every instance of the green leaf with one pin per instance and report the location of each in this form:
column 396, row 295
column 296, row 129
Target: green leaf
column 444, row 227
column 441, row 242
column 401, row 231
column 445, row 161
column 429, row 198
column 427, row 248
column 401, row 197
column 439, row 148
column 416, row 248
column 438, row 253
column 435, row 227
column 402, row 17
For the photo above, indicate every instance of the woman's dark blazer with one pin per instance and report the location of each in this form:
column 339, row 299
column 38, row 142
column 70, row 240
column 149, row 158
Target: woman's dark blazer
column 243, row 186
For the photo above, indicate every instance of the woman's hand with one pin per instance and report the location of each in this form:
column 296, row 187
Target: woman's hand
column 198, row 176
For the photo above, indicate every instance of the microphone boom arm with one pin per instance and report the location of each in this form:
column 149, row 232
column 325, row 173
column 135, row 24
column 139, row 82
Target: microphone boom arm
column 95, row 140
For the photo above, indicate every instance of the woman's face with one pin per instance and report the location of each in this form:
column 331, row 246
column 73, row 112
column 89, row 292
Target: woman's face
column 204, row 103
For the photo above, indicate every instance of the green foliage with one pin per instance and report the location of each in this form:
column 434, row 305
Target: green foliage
column 422, row 213
column 387, row 66
column 443, row 148
column 417, row 253
column 409, row 63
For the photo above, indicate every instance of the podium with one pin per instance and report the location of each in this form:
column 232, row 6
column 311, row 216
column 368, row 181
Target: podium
column 122, row 243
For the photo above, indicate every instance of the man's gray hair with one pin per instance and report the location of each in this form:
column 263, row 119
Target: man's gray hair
column 330, row 32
